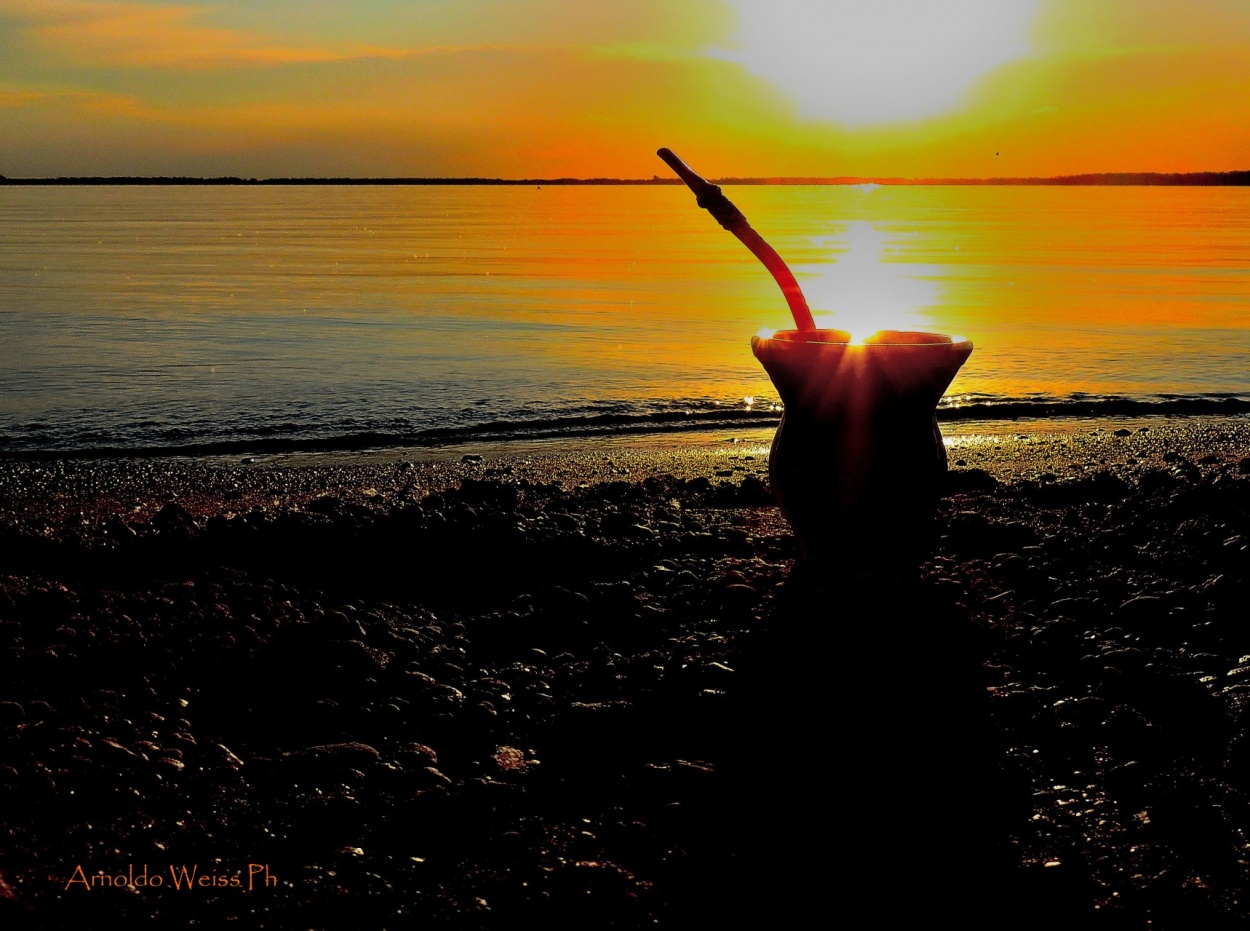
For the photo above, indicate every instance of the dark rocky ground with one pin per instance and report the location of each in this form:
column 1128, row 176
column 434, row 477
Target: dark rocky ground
column 463, row 697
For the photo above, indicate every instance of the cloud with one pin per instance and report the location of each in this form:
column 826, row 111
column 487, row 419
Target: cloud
column 14, row 99
column 119, row 34
column 80, row 102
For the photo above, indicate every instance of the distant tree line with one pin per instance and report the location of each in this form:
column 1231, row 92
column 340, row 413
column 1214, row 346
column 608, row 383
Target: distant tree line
column 1196, row 178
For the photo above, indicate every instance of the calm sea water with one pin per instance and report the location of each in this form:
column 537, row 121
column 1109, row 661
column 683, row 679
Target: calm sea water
column 232, row 318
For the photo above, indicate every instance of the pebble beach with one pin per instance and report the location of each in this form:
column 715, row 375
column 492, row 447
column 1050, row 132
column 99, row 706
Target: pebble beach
column 587, row 687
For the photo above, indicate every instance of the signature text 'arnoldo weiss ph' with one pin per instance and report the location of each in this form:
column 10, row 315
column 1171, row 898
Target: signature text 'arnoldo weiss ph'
column 181, row 877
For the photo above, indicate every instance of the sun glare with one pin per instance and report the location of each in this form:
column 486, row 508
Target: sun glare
column 862, row 292
column 856, row 62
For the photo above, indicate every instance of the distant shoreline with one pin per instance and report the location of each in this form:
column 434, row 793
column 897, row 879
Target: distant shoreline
column 1118, row 179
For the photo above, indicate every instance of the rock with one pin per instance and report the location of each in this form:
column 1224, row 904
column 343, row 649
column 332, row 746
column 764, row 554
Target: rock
column 326, row 504
column 739, row 597
column 416, row 754
column 349, row 755
column 1105, row 486
column 1129, row 733
column 173, row 516
column 511, row 759
column 1079, row 608
column 753, row 493
column 962, row 481
column 338, row 626
column 1144, row 611
column 436, row 776
column 11, row 713
column 971, row 531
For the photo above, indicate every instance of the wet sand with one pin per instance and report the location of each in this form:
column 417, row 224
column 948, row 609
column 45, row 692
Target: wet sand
column 585, row 687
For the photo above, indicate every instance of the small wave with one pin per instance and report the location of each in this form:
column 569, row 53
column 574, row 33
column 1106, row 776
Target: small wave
column 264, row 440
column 354, row 434
column 1087, row 406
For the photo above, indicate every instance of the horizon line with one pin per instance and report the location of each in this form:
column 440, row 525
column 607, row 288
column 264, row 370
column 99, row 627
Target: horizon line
column 1125, row 178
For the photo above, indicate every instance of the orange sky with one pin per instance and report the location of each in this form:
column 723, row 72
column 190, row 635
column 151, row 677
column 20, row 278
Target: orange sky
column 545, row 88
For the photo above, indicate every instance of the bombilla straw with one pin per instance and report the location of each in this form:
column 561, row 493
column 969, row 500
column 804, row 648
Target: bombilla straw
column 709, row 197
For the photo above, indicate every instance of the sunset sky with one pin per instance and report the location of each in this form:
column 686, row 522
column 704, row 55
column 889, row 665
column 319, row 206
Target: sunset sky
column 550, row 88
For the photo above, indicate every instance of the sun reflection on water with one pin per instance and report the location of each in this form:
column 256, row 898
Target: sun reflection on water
column 863, row 290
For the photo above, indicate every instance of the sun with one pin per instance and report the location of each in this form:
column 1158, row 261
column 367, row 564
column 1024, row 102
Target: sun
column 857, row 62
